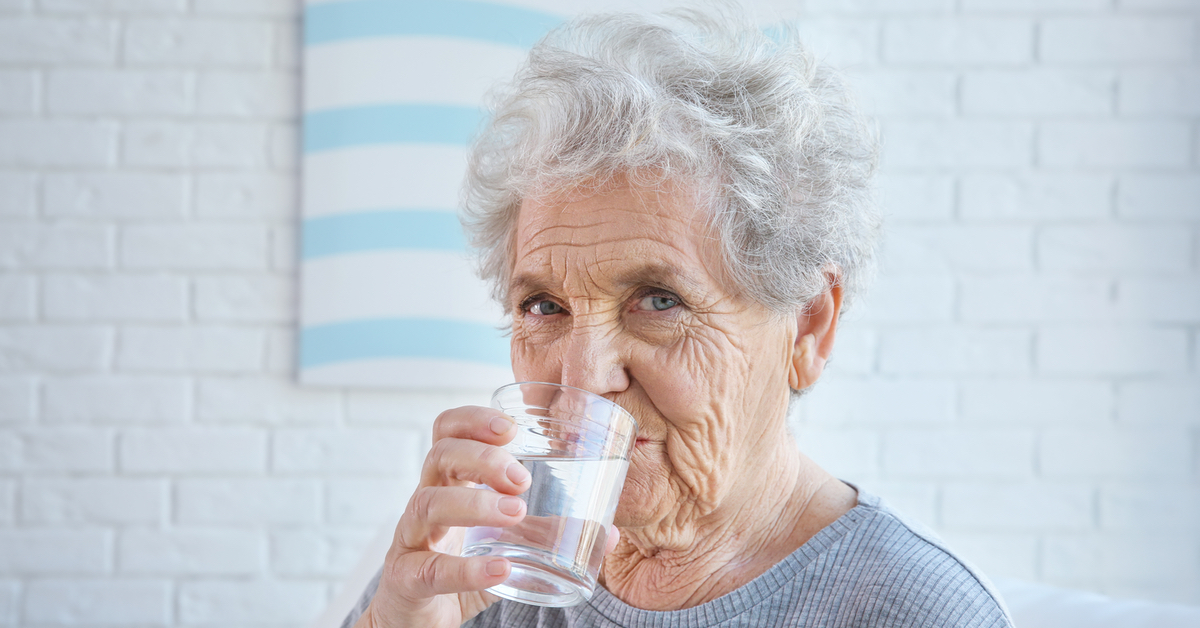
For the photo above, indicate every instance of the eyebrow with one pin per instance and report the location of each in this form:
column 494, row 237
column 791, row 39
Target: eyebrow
column 661, row 275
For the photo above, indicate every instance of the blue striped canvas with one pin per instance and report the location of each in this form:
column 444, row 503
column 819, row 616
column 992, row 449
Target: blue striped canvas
column 391, row 100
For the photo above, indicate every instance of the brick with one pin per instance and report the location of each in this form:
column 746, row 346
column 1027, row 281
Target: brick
column 318, row 553
column 18, row 195
column 197, row 41
column 114, row 298
column 1159, row 299
column 248, row 94
column 113, row 6
column 848, row 454
column 56, row 450
column 225, row 349
column 1054, row 92
column 58, row 41
column 118, row 92
column 998, row 555
column 993, row 453
column 247, row 7
column 162, row 144
column 415, row 408
column 35, row 142
column 281, row 350
column 1037, row 402
column 876, row 7
column 251, row 196
column 841, row 42
column 1035, row 197
column 8, row 510
column 105, row 602
column 265, row 400
column 289, row 44
column 917, row 501
column 1126, row 248
column 958, row 41
column 854, row 352
column 1117, row 453
column 1137, row 507
column 916, row 198
column 1124, row 144
column 1034, row 6
column 95, row 500
column 18, row 91
column 156, row 144
column 261, row 298
column 1115, row 39
column 28, row 246
column 191, row 552
column 362, row 450
column 18, row 298
column 875, row 402
column 1156, row 4
column 1153, row 195
column 18, row 399
column 1160, row 91
column 252, row 602
column 367, row 501
column 115, row 195
column 957, row 144
column 193, row 450
column 283, row 146
column 952, row 249
column 115, row 399
column 230, row 145
column 1167, row 402
column 1012, row 298
column 25, row 348
column 1100, row 557
column 1111, row 350
column 1020, row 506
column 194, row 246
column 891, row 299
column 955, row 351
column 49, row 551
column 246, row 501
column 284, row 253
column 908, row 93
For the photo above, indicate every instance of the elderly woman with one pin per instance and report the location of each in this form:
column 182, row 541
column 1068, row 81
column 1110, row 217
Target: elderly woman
column 675, row 214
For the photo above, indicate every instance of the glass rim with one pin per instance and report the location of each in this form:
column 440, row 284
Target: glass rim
column 627, row 413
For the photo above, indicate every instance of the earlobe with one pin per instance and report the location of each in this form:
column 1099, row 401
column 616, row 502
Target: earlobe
column 816, row 327
column 802, row 360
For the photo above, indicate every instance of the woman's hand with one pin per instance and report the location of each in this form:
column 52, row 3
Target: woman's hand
column 425, row 583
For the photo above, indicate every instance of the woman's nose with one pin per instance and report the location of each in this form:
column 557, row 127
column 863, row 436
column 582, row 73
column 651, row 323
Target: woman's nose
column 593, row 360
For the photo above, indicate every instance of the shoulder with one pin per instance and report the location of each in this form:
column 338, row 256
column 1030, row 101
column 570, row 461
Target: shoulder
column 897, row 572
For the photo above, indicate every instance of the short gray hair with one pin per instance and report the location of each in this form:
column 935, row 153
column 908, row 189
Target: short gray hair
column 784, row 158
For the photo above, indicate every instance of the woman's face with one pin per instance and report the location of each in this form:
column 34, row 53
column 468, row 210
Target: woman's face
column 622, row 293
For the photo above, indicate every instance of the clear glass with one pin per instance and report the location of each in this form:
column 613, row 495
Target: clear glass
column 576, row 445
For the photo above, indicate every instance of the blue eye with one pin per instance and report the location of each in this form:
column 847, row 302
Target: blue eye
column 657, row 303
column 544, row 308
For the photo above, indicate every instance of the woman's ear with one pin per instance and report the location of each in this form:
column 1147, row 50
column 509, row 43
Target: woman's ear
column 816, row 326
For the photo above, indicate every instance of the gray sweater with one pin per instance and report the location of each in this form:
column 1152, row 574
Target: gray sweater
column 870, row 568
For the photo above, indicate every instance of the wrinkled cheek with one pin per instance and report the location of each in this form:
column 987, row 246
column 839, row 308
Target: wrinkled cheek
column 533, row 362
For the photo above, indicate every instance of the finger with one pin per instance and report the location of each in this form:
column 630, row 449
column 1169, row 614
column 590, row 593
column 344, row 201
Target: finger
column 614, row 537
column 486, row 425
column 434, row 509
column 423, row 575
column 457, row 460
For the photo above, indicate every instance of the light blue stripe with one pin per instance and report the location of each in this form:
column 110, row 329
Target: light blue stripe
column 381, row 230
column 402, row 338
column 484, row 21
column 390, row 124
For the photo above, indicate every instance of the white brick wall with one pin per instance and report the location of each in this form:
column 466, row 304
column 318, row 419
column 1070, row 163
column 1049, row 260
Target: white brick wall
column 1024, row 377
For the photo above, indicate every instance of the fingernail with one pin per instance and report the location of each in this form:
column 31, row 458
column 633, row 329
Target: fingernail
column 496, row 567
column 510, row 506
column 517, row 473
column 500, row 425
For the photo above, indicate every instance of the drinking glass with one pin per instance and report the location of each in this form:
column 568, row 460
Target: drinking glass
column 576, row 446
